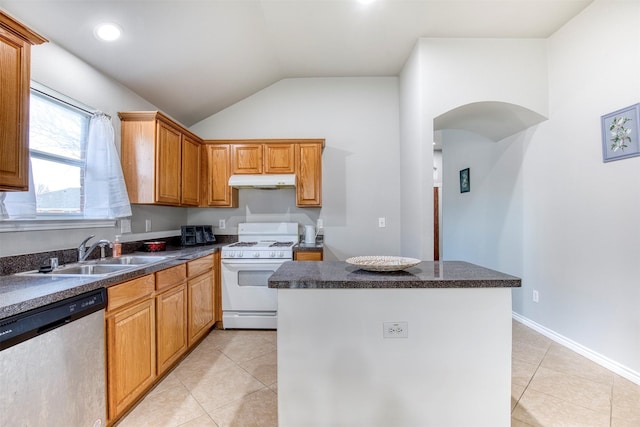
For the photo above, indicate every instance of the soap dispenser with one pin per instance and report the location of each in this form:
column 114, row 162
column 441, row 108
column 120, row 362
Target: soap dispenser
column 117, row 247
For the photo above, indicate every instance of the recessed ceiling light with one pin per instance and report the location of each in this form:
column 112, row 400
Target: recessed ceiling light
column 107, row 32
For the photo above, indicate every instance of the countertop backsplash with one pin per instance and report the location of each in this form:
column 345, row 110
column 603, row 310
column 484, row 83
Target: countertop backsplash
column 19, row 263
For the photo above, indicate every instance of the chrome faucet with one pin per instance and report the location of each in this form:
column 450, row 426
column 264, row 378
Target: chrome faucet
column 83, row 252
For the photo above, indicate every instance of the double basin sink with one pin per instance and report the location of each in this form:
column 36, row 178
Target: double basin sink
column 101, row 267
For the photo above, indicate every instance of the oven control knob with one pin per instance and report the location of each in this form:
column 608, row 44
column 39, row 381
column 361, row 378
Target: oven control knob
column 256, row 254
column 272, row 254
column 280, row 254
column 239, row 254
column 230, row 254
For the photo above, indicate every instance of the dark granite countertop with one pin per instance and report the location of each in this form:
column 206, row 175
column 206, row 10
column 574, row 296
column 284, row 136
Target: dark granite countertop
column 22, row 293
column 308, row 247
column 427, row 274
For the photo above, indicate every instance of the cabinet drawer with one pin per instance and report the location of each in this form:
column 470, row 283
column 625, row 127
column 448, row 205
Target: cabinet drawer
column 308, row 256
column 200, row 265
column 171, row 276
column 126, row 292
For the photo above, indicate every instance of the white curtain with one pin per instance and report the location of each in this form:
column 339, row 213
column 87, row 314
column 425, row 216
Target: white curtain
column 105, row 194
column 19, row 204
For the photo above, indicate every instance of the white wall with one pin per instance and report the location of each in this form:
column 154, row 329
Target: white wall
column 483, row 226
column 581, row 229
column 358, row 117
column 57, row 69
column 457, row 72
column 578, row 217
column 416, row 158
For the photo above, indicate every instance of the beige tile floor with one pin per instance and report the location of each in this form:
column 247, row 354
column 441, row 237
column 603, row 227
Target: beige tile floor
column 230, row 380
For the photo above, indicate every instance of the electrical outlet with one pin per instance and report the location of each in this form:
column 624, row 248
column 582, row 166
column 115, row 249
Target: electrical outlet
column 222, row 224
column 536, row 296
column 125, row 226
column 382, row 222
column 319, row 224
column 395, row 330
column 147, row 225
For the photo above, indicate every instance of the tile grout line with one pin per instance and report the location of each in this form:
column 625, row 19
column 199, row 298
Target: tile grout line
column 531, row 378
column 194, row 398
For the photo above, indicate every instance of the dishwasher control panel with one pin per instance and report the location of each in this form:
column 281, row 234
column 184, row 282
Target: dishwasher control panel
column 23, row 326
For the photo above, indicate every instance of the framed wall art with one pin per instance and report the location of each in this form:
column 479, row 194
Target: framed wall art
column 620, row 134
column 465, row 181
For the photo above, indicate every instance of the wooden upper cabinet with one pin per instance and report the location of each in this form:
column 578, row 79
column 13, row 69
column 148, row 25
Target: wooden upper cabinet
column 15, row 57
column 225, row 157
column 263, row 158
column 246, row 159
column 168, row 164
column 191, row 164
column 279, row 158
column 160, row 160
column 309, row 175
column 216, row 171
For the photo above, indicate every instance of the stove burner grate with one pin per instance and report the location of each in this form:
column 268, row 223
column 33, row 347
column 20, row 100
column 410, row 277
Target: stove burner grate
column 280, row 244
column 243, row 244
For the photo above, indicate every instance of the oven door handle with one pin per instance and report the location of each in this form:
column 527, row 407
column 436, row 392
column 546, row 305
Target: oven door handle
column 252, row 265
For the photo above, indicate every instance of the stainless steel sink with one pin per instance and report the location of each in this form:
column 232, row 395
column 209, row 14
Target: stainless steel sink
column 91, row 269
column 101, row 267
column 129, row 260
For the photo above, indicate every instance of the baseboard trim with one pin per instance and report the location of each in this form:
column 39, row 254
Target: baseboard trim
column 601, row 360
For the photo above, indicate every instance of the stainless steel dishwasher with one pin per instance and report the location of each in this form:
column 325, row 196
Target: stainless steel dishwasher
column 52, row 369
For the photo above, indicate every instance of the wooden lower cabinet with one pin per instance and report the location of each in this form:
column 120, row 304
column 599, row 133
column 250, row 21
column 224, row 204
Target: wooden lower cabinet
column 131, row 355
column 171, row 326
column 151, row 322
column 201, row 287
column 308, row 255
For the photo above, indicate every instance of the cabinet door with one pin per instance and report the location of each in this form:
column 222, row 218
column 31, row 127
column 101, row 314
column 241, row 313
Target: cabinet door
column 168, row 164
column 308, row 255
column 14, row 120
column 190, row 183
column 279, row 158
column 131, row 355
column 309, row 175
column 218, row 171
column 246, row 159
column 171, row 326
column 201, row 305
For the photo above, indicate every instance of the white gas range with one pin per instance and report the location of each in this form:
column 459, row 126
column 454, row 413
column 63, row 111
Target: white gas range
column 247, row 301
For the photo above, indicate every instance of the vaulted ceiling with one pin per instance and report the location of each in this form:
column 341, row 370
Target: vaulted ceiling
column 193, row 58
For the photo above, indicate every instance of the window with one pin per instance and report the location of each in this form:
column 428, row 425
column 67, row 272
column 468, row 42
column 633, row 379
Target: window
column 58, row 133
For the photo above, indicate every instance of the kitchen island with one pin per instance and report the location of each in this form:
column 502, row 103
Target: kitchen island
column 447, row 362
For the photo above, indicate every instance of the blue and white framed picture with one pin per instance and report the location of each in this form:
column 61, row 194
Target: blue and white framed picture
column 620, row 134
column 465, row 181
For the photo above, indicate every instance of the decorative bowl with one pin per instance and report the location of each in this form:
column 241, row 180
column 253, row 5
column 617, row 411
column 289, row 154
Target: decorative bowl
column 155, row 246
column 382, row 263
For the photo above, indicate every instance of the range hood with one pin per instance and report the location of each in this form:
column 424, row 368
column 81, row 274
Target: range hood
column 263, row 181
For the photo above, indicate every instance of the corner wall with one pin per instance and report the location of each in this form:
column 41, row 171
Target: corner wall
column 358, row 117
column 416, row 157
